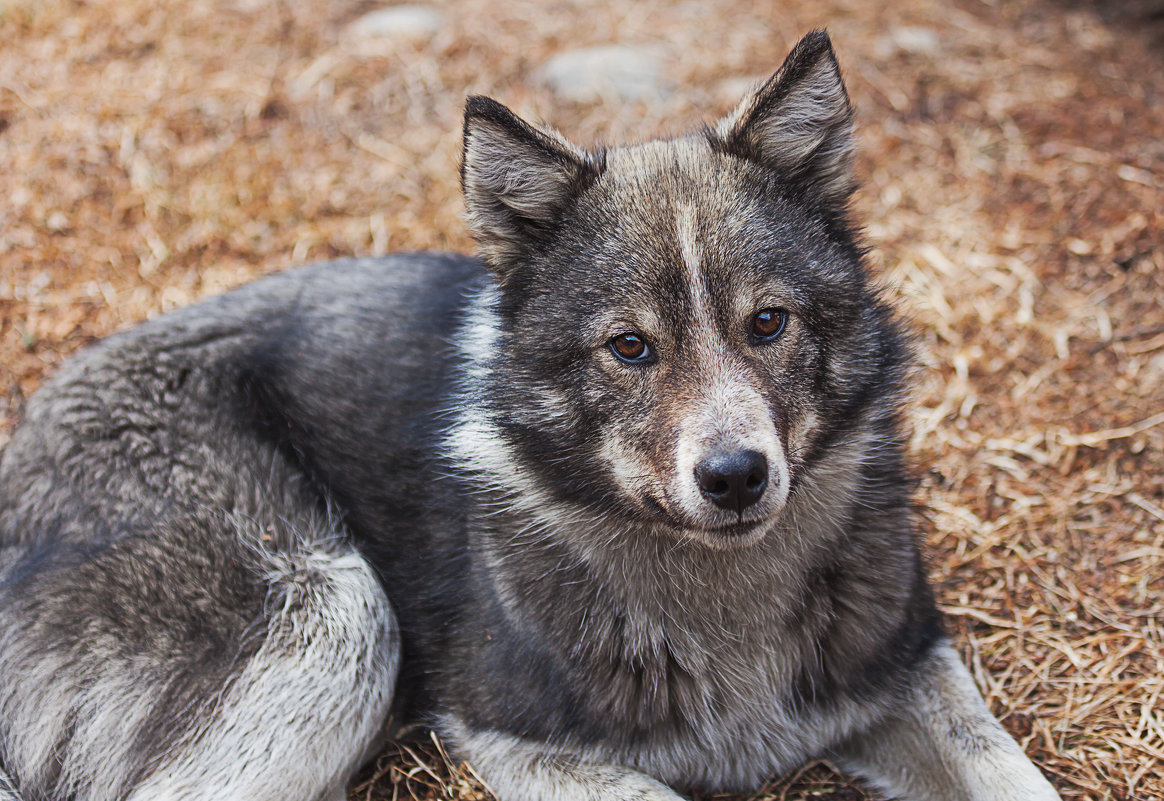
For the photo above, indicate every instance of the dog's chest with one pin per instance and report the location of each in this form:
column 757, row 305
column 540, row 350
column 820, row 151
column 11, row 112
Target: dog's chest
column 705, row 701
column 701, row 673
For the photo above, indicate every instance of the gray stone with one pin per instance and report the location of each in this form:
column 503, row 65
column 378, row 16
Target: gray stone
column 612, row 71
column 398, row 22
column 914, row 40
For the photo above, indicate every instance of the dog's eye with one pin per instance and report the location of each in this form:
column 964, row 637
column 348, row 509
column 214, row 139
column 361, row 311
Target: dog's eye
column 630, row 348
column 767, row 324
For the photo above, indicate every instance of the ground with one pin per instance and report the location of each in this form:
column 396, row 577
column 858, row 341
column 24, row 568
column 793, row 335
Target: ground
column 1012, row 163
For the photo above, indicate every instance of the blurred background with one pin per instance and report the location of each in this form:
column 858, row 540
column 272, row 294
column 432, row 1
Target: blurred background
column 1012, row 165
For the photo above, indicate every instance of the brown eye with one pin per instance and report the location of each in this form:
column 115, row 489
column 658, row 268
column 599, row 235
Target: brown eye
column 630, row 348
column 768, row 324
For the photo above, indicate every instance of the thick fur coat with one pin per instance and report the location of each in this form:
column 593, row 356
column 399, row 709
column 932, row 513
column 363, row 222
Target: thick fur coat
column 620, row 509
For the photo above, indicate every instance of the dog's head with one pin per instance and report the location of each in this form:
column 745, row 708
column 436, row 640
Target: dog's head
column 683, row 326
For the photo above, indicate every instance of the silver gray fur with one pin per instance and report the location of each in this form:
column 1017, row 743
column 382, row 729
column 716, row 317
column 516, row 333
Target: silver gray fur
column 235, row 540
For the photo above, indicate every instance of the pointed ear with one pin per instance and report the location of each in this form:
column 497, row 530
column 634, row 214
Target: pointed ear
column 517, row 180
column 798, row 124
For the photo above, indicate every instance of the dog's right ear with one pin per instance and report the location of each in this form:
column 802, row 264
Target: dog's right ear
column 517, row 180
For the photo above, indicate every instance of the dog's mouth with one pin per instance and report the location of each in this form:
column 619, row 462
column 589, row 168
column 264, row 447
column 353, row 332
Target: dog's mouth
column 741, row 529
column 737, row 533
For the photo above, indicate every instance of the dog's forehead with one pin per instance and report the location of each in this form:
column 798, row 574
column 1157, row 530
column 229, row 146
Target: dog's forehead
column 672, row 201
column 662, row 235
column 658, row 175
column 655, row 183
column 676, row 159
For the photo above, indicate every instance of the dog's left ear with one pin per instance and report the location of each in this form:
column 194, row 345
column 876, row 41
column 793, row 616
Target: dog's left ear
column 518, row 180
column 798, row 124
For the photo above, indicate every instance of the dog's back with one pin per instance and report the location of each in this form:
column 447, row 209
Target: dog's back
column 169, row 526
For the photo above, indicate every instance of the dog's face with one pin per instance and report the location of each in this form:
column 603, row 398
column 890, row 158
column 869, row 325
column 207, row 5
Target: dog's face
column 682, row 322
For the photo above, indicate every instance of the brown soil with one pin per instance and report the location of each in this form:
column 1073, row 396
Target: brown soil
column 1013, row 166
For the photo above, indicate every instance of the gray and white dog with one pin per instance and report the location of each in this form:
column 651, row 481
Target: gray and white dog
column 620, row 509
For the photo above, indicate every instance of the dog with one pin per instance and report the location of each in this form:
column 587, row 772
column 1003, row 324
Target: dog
column 620, row 509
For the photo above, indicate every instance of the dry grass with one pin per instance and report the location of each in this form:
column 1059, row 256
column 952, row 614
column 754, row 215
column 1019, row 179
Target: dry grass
column 155, row 152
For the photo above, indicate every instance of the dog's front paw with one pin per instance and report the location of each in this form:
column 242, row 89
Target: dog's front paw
column 622, row 784
column 517, row 769
column 944, row 745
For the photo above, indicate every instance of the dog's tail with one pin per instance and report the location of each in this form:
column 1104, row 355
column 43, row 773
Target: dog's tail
column 7, row 788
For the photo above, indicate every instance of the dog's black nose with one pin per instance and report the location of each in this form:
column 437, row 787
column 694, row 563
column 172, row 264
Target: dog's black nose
column 733, row 481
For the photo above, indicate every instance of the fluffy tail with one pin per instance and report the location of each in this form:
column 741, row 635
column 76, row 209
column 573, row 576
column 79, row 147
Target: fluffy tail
column 7, row 788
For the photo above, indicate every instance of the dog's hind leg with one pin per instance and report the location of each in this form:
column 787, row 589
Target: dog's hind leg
column 216, row 658
column 305, row 709
column 943, row 743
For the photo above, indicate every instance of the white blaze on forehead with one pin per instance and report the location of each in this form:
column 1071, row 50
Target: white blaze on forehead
column 696, row 289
